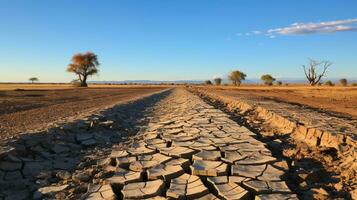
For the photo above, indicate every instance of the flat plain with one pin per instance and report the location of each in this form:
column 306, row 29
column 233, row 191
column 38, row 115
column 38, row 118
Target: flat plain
column 335, row 99
column 25, row 107
column 177, row 142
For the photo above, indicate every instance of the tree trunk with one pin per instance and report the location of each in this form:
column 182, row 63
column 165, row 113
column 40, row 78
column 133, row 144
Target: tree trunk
column 84, row 82
column 313, row 83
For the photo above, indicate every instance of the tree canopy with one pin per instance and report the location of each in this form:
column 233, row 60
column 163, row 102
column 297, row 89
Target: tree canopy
column 236, row 77
column 343, row 82
column 208, row 82
column 84, row 65
column 33, row 79
column 268, row 79
column 218, row 81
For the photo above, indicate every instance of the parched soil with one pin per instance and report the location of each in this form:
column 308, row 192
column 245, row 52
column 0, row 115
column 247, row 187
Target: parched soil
column 25, row 110
column 185, row 144
column 342, row 100
column 319, row 145
column 171, row 145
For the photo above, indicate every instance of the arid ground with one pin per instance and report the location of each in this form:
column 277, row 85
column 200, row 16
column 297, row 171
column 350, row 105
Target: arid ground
column 336, row 99
column 183, row 142
column 25, row 107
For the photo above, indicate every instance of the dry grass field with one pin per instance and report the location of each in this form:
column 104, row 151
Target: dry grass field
column 337, row 99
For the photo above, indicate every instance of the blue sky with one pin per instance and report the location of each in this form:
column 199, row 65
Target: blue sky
column 176, row 40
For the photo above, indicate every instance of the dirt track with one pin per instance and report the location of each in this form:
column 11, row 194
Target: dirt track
column 22, row 111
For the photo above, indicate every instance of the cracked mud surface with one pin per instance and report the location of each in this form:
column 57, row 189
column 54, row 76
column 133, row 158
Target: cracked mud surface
column 185, row 149
column 182, row 156
column 188, row 150
column 320, row 148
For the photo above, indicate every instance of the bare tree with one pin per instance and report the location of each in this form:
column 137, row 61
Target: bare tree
column 33, row 79
column 218, row 81
column 312, row 74
column 84, row 65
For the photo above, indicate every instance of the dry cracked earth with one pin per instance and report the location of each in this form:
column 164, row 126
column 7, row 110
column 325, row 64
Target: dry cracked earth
column 171, row 145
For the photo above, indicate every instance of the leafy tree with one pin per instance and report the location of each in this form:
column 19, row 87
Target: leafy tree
column 343, row 82
column 84, row 65
column 268, row 79
column 218, row 81
column 208, row 82
column 311, row 73
column 329, row 83
column 237, row 77
column 33, row 79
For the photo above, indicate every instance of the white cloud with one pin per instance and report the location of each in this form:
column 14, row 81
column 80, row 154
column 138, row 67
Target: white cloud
column 217, row 76
column 249, row 33
column 312, row 28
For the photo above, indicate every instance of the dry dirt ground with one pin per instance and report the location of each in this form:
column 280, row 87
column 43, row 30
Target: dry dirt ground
column 319, row 144
column 181, row 143
column 171, row 145
column 39, row 105
column 336, row 99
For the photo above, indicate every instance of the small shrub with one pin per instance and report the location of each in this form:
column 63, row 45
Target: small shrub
column 208, row 82
column 329, row 83
column 343, row 82
column 354, row 84
column 217, row 81
column 279, row 83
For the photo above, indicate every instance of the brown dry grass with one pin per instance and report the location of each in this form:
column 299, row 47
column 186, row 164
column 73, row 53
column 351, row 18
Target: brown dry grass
column 337, row 99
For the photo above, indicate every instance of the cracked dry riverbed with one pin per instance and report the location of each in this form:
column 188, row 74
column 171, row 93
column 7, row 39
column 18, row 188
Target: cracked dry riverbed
column 171, row 145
